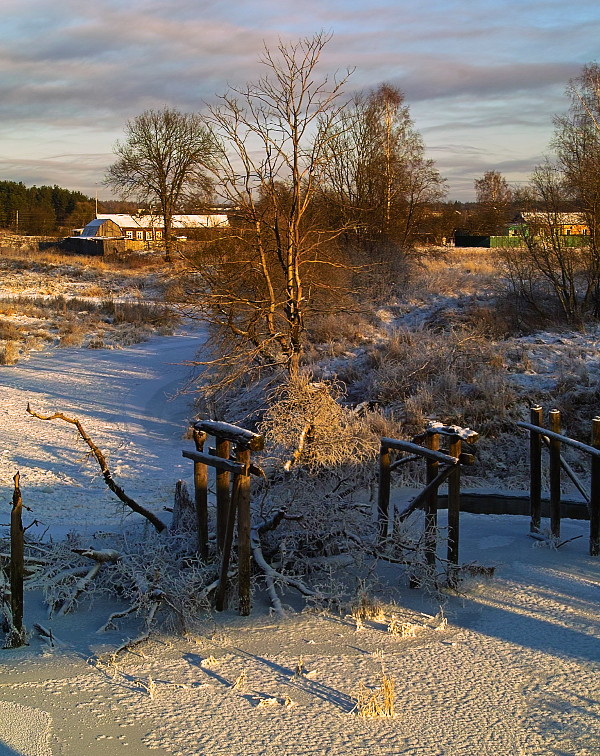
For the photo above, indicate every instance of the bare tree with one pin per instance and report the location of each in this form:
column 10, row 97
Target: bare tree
column 380, row 181
column 551, row 266
column 258, row 280
column 162, row 160
column 577, row 143
column 494, row 198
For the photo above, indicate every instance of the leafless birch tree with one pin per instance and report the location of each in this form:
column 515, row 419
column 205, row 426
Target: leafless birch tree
column 259, row 280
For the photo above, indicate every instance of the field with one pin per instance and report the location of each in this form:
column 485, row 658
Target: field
column 508, row 664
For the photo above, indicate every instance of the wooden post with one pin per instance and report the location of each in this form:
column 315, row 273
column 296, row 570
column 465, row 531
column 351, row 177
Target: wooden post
column 17, row 567
column 595, row 493
column 383, row 496
column 555, row 468
column 223, row 493
column 201, row 496
column 431, row 505
column 221, row 593
column 536, row 415
column 454, row 449
column 244, row 526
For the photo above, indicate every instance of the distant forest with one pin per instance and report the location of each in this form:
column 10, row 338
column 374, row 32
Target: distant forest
column 41, row 210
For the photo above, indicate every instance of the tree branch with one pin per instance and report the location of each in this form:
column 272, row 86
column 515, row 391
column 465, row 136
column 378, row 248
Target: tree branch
column 106, row 473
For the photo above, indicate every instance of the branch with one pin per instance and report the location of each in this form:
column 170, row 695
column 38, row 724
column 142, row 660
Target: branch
column 106, row 473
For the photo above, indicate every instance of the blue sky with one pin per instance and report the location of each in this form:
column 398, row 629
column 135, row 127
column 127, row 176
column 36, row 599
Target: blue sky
column 482, row 78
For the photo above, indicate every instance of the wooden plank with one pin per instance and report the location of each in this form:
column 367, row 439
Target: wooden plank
column 563, row 439
column 535, row 470
column 421, row 497
column 221, row 592
column 433, row 444
column 422, row 451
column 229, row 432
column 214, row 461
column 244, row 535
column 222, row 451
column 201, row 496
column 383, row 493
column 555, row 468
column 595, row 493
column 454, row 449
column 17, row 566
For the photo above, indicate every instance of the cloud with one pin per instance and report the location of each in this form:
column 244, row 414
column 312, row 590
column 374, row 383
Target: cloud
column 474, row 66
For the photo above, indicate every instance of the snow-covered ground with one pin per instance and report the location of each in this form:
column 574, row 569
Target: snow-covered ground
column 129, row 401
column 515, row 670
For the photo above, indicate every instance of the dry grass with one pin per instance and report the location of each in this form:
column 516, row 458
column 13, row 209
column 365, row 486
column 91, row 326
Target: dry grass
column 367, row 608
column 306, row 425
column 10, row 331
column 77, row 321
column 456, row 376
column 379, row 702
column 9, row 353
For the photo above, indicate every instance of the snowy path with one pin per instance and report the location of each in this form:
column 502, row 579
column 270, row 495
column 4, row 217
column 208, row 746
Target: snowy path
column 126, row 400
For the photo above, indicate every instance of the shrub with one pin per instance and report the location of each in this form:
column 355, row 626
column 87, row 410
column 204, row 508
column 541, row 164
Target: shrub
column 9, row 353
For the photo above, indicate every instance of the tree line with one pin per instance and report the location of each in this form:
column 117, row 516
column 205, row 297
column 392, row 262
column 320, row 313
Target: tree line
column 41, row 210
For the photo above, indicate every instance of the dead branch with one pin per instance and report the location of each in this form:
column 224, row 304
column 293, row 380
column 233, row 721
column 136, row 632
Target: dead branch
column 128, row 645
column 48, row 635
column 302, row 441
column 273, row 576
column 80, row 587
column 106, row 473
column 99, row 555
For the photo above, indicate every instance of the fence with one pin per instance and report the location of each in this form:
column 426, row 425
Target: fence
column 552, row 438
column 233, row 499
column 428, row 497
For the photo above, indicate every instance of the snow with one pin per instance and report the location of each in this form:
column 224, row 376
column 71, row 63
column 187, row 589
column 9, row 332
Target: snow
column 515, row 670
column 127, row 400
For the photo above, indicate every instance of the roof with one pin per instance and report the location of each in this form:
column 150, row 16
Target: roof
column 94, row 227
column 563, row 219
column 155, row 221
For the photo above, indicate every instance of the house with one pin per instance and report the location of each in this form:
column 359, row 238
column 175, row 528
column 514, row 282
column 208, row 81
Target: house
column 565, row 224
column 149, row 227
column 118, row 232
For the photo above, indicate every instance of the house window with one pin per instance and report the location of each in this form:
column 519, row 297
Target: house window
column 159, row 234
column 139, row 235
column 129, row 234
column 149, row 235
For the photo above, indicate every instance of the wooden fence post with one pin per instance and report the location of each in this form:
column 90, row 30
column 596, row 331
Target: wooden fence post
column 383, row 496
column 244, row 527
column 223, row 449
column 221, row 592
column 595, row 493
column 555, row 468
column 17, row 568
column 454, row 450
column 431, row 504
column 201, row 496
column 536, row 415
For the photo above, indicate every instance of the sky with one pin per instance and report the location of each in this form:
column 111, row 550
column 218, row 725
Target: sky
column 482, row 78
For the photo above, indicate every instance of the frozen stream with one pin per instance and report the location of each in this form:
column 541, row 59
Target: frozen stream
column 128, row 401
